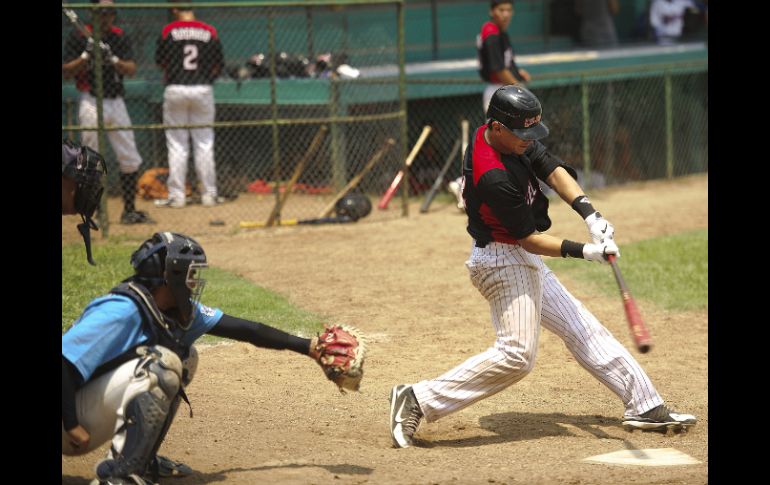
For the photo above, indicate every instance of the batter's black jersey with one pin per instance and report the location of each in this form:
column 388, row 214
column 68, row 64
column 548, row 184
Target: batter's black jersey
column 190, row 53
column 495, row 53
column 112, row 81
column 502, row 195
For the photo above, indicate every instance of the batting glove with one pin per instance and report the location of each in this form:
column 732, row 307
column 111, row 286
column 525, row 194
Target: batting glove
column 599, row 228
column 89, row 50
column 599, row 252
column 107, row 53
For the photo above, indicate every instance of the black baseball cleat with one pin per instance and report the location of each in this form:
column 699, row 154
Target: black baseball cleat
column 659, row 418
column 405, row 415
column 136, row 217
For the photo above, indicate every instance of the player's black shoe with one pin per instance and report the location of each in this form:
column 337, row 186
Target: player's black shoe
column 136, row 217
column 405, row 415
column 660, row 417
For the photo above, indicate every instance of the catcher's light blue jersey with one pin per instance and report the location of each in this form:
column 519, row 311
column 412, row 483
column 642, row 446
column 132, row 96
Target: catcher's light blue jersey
column 112, row 324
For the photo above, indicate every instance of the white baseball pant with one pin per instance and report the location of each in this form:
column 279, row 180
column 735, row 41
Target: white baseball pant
column 101, row 403
column 523, row 293
column 122, row 141
column 183, row 104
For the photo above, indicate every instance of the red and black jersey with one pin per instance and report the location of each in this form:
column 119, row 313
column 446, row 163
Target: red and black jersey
column 502, row 194
column 495, row 53
column 112, row 81
column 189, row 52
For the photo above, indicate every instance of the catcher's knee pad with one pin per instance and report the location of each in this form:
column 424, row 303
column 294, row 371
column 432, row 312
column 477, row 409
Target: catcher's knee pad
column 189, row 366
column 164, row 368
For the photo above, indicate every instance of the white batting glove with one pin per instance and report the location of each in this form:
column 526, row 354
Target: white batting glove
column 599, row 228
column 88, row 52
column 599, row 252
column 107, row 54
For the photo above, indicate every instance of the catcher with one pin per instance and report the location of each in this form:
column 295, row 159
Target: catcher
column 129, row 357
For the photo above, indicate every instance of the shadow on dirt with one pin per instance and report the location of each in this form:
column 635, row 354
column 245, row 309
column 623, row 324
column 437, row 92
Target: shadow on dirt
column 515, row 426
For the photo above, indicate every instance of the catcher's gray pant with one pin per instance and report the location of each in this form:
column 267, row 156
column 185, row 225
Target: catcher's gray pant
column 122, row 141
column 523, row 293
column 101, row 403
column 189, row 105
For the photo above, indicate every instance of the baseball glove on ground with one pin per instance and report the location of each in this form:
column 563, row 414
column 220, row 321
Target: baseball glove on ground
column 340, row 351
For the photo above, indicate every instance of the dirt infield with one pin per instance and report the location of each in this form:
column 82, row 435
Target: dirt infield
column 263, row 416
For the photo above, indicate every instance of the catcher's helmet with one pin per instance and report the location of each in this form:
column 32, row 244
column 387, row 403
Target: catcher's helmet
column 518, row 110
column 354, row 206
column 175, row 260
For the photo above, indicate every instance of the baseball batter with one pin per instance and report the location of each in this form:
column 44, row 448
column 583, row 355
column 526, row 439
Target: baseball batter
column 191, row 56
column 118, row 61
column 507, row 214
column 497, row 65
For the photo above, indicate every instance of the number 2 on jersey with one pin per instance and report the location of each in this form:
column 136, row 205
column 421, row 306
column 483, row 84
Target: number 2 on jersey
column 190, row 62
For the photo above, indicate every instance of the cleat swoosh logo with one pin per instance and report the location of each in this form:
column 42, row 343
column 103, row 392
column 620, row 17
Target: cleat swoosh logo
column 399, row 412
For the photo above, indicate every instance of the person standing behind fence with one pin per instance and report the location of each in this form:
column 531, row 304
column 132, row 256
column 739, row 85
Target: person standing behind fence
column 597, row 28
column 497, row 66
column 191, row 56
column 117, row 61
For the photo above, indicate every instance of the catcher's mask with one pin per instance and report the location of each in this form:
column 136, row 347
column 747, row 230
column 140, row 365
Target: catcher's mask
column 519, row 110
column 86, row 167
column 354, row 206
column 175, row 260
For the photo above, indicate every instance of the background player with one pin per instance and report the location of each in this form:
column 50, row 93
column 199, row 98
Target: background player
column 118, row 61
column 191, row 56
column 507, row 214
column 495, row 53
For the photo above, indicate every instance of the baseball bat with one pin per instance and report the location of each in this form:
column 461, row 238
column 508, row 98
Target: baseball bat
column 434, row 189
column 355, row 180
column 464, row 125
column 635, row 323
column 294, row 222
column 73, row 17
column 383, row 204
column 295, row 176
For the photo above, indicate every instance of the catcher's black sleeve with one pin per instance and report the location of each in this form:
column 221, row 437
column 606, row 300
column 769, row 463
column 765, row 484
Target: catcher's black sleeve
column 259, row 334
column 70, row 377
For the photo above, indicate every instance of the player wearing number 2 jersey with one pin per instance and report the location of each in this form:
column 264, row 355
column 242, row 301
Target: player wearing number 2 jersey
column 191, row 56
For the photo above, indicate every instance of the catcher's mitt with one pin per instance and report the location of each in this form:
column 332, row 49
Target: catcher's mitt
column 340, row 351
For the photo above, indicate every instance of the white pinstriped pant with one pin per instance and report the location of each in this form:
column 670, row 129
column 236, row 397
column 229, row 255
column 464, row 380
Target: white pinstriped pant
column 523, row 293
column 115, row 114
column 193, row 105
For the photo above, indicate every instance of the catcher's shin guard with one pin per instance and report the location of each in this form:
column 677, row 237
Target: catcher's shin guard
column 146, row 417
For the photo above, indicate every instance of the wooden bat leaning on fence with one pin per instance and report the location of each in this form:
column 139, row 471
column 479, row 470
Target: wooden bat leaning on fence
column 282, row 198
column 383, row 204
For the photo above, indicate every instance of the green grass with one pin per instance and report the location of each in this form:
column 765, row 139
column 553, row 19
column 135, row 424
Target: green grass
column 234, row 295
column 671, row 271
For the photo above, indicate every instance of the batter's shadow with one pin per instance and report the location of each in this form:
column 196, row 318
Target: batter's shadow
column 515, row 426
column 223, row 475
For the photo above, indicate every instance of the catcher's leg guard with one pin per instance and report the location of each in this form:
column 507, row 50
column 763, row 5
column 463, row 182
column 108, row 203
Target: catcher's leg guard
column 142, row 421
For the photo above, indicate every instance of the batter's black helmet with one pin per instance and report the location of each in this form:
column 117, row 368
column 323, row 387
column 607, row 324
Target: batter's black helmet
column 518, row 110
column 176, row 260
column 354, row 206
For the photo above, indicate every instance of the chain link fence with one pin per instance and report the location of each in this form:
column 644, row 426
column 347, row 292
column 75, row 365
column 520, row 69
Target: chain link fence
column 292, row 114
column 613, row 125
column 312, row 98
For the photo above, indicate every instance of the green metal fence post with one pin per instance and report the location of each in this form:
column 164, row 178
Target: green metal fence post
column 669, row 127
column 274, row 106
column 586, row 133
column 104, row 224
column 402, row 108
